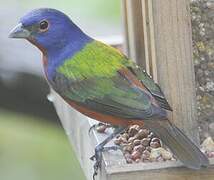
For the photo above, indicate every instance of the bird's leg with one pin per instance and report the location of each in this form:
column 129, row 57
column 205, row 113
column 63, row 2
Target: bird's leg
column 95, row 126
column 100, row 148
column 113, row 148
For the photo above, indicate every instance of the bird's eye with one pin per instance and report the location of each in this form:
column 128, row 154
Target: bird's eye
column 43, row 26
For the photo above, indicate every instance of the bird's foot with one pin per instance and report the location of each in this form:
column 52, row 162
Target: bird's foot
column 100, row 127
column 97, row 157
column 100, row 148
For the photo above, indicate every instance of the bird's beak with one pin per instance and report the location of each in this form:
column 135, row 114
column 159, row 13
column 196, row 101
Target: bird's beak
column 19, row 32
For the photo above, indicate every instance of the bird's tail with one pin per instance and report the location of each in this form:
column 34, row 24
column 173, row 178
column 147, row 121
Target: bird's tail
column 180, row 145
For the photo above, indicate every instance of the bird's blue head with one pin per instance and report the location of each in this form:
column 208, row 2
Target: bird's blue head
column 49, row 29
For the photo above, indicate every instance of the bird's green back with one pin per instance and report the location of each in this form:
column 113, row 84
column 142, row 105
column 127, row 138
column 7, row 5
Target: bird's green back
column 94, row 60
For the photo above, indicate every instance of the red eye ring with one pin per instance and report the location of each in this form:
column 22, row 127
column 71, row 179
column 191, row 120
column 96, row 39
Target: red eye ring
column 43, row 26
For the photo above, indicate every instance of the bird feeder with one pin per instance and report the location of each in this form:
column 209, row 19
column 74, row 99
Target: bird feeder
column 158, row 37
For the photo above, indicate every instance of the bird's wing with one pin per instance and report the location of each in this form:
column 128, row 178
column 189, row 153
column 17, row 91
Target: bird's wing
column 152, row 87
column 111, row 96
column 98, row 78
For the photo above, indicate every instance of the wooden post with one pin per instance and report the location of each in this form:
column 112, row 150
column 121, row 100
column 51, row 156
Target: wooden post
column 166, row 39
column 132, row 19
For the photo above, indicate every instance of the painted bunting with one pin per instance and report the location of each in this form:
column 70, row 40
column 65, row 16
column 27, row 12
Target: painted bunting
column 102, row 83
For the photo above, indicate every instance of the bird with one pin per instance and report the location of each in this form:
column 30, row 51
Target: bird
column 102, row 83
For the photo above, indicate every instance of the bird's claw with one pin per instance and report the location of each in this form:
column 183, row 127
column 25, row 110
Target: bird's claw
column 92, row 158
column 100, row 148
column 91, row 128
column 97, row 157
column 97, row 166
column 97, row 125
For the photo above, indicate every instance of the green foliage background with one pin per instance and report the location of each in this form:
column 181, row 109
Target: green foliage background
column 33, row 149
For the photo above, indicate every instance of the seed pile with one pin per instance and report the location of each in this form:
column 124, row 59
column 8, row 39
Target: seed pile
column 141, row 145
column 208, row 147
